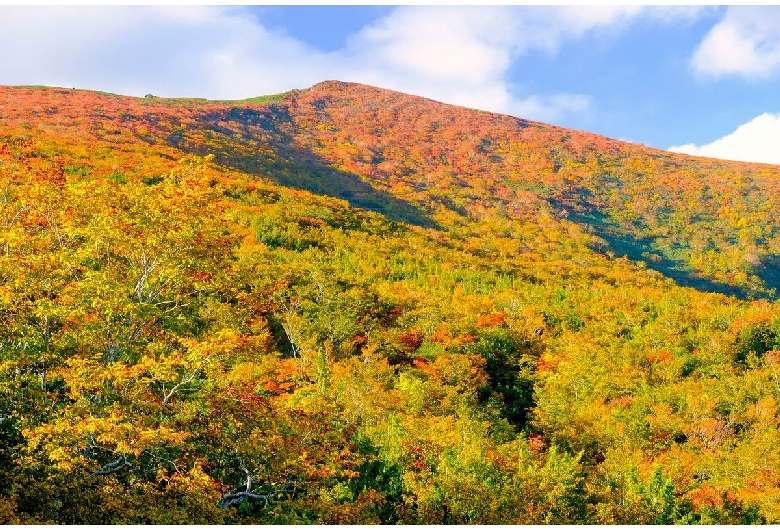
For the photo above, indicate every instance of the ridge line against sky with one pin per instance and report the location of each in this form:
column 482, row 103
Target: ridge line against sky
column 701, row 79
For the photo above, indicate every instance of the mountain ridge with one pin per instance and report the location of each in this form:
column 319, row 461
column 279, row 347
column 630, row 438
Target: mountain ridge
column 326, row 85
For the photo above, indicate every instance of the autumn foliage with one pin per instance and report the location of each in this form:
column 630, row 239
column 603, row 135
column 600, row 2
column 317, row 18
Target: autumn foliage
column 345, row 305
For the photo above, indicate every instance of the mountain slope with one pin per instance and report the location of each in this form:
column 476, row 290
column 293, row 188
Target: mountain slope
column 706, row 223
column 349, row 305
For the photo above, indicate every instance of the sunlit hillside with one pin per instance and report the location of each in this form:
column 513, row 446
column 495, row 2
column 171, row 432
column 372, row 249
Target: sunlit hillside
column 353, row 306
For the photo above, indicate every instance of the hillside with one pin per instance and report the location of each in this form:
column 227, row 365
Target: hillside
column 350, row 305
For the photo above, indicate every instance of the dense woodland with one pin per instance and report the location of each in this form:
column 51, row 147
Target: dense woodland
column 348, row 305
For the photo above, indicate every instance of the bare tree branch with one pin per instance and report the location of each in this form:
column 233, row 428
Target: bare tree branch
column 168, row 395
column 236, row 497
column 114, row 467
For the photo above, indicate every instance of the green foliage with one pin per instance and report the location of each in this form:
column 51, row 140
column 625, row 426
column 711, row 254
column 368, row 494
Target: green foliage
column 510, row 366
column 757, row 340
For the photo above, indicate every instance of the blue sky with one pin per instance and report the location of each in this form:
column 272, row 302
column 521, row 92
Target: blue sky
column 702, row 80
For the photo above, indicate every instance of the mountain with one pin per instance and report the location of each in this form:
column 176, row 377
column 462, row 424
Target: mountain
column 350, row 305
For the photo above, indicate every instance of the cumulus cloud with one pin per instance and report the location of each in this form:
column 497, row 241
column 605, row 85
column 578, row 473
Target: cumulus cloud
column 745, row 42
column 457, row 55
column 211, row 52
column 755, row 141
column 461, row 55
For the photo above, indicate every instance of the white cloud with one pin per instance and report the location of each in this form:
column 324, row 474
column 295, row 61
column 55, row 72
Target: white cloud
column 462, row 55
column 745, row 42
column 551, row 108
column 210, row 52
column 438, row 42
column 755, row 141
column 459, row 55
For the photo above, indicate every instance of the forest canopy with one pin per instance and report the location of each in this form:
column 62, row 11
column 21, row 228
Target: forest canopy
column 346, row 305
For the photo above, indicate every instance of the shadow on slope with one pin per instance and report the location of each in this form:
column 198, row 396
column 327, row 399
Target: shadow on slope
column 260, row 142
column 769, row 273
column 637, row 249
